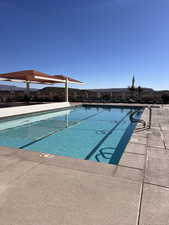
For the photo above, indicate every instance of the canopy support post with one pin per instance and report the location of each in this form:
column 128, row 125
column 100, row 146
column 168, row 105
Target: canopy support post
column 28, row 90
column 66, row 91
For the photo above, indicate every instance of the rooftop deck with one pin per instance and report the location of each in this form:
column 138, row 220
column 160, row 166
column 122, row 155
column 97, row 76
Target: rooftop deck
column 46, row 189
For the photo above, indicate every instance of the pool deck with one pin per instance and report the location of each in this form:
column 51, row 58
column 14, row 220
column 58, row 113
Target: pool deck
column 43, row 189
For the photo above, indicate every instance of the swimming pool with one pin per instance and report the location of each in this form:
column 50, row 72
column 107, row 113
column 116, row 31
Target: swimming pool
column 91, row 133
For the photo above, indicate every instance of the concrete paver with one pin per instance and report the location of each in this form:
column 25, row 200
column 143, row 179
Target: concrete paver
column 138, row 139
column 47, row 195
column 132, row 160
column 155, row 206
column 128, row 173
column 157, row 167
column 13, row 172
column 7, row 161
column 166, row 138
column 155, row 141
column 67, row 162
column 5, row 151
column 136, row 148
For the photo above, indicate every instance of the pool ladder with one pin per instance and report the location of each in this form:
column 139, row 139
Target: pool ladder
column 143, row 122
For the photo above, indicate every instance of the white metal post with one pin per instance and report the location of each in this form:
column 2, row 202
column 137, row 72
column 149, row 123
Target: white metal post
column 66, row 91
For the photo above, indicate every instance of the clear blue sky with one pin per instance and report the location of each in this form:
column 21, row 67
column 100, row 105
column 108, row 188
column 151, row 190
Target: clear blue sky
column 100, row 42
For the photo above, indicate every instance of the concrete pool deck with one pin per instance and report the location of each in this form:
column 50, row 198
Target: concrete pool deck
column 43, row 189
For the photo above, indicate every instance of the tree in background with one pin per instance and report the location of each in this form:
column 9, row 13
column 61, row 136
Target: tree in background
column 139, row 91
column 165, row 98
column 133, row 83
column 132, row 88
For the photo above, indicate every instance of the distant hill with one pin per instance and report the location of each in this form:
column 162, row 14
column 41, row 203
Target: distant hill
column 116, row 89
column 13, row 88
column 109, row 90
column 53, row 89
column 101, row 90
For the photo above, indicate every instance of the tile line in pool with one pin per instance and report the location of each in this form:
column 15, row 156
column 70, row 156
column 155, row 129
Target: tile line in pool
column 105, row 137
column 115, row 156
column 88, row 117
column 56, row 131
column 104, row 154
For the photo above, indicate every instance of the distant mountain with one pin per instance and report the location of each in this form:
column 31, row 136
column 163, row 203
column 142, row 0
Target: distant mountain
column 115, row 89
column 109, row 90
column 46, row 89
column 13, row 88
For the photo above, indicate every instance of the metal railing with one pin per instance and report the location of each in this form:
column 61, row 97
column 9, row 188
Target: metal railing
column 150, row 117
column 143, row 122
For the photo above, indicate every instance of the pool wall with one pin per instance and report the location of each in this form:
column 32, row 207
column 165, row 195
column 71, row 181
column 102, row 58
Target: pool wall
column 23, row 110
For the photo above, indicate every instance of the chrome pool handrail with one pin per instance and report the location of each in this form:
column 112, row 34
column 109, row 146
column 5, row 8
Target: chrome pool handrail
column 150, row 116
column 134, row 120
column 145, row 125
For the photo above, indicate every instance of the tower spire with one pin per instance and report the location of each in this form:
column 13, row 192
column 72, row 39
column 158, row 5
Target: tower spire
column 133, row 82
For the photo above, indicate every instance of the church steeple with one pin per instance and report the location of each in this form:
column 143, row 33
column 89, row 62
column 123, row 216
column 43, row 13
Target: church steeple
column 133, row 82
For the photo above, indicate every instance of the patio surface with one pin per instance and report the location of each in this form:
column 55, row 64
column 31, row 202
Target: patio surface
column 40, row 189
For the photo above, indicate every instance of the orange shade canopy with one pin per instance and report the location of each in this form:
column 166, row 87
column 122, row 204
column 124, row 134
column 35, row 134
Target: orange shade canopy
column 71, row 80
column 34, row 76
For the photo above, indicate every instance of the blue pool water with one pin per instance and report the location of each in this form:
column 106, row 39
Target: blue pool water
column 92, row 133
